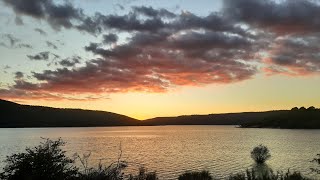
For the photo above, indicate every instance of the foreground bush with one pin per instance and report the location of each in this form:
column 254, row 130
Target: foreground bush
column 49, row 162
column 201, row 175
column 252, row 175
column 316, row 160
column 46, row 161
column 144, row 175
column 112, row 172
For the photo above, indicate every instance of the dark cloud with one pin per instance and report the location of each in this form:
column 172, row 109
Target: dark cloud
column 156, row 22
column 55, row 56
column 13, row 42
column 70, row 62
column 295, row 24
column 22, row 45
column 121, row 7
column 40, row 56
column 33, row 7
column 288, row 16
column 51, row 45
column 60, row 42
column 294, row 55
column 39, row 95
column 18, row 20
column 90, row 24
column 144, row 64
column 42, row 32
column 151, row 12
column 110, row 38
column 18, row 75
column 57, row 15
column 130, row 22
column 24, row 85
column 208, row 40
column 165, row 50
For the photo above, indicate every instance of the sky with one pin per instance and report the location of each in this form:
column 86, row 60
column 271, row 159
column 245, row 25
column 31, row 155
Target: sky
column 148, row 58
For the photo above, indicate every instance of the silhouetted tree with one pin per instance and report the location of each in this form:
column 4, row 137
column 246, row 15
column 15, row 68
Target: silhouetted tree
column 46, row 161
column 294, row 109
column 302, row 108
column 260, row 154
column 311, row 108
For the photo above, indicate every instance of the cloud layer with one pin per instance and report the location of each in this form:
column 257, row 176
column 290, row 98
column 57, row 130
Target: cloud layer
column 166, row 50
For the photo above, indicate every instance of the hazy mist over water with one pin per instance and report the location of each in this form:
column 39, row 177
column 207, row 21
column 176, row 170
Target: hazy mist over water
column 170, row 150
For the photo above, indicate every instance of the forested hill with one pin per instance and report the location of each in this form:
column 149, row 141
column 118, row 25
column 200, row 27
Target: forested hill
column 17, row 115
column 295, row 119
column 286, row 119
column 214, row 119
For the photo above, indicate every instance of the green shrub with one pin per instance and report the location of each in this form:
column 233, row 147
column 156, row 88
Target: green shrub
column 46, row 161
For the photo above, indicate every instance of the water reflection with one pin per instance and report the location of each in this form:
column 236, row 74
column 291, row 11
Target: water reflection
column 171, row 150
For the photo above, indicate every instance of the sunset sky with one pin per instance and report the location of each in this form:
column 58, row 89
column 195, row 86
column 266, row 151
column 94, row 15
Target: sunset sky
column 147, row 58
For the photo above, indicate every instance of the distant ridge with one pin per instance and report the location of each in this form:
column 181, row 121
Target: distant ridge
column 303, row 118
column 14, row 115
column 214, row 119
column 17, row 115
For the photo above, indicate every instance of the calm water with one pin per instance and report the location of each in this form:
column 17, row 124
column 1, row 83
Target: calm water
column 170, row 150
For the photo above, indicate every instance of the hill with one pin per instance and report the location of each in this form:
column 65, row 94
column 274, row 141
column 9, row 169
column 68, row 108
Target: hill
column 295, row 119
column 214, row 119
column 17, row 115
column 285, row 119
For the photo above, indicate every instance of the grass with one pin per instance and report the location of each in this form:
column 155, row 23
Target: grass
column 195, row 175
column 253, row 175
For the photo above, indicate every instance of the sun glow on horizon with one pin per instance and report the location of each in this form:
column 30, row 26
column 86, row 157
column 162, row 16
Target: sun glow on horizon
column 260, row 94
column 146, row 59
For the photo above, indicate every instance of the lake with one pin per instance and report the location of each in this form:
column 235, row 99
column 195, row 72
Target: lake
column 171, row 150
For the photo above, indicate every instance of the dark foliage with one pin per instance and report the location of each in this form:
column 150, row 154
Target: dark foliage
column 260, row 154
column 143, row 175
column 114, row 171
column 46, row 161
column 194, row 175
column 316, row 160
column 301, row 118
column 49, row 162
column 252, row 175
